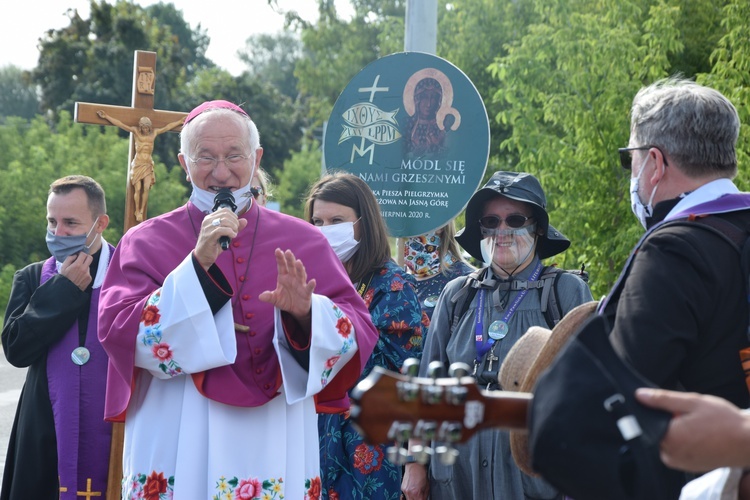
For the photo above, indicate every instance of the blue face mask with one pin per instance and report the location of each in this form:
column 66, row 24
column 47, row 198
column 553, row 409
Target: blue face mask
column 62, row 247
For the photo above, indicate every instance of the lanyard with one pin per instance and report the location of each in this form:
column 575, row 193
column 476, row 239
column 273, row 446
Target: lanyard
column 483, row 347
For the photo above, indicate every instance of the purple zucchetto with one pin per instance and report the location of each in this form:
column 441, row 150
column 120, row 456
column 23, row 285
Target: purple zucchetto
column 219, row 104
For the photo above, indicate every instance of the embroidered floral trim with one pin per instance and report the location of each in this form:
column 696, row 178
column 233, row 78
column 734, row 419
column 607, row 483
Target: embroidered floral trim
column 313, row 487
column 152, row 337
column 344, row 328
column 368, row 459
column 152, row 487
column 248, row 489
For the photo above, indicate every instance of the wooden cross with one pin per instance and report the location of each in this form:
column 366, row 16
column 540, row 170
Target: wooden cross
column 144, row 79
column 144, row 123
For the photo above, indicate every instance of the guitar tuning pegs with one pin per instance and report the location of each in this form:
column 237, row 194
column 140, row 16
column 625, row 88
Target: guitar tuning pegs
column 425, row 430
column 410, row 367
column 421, row 453
column 456, row 395
column 446, row 454
column 449, row 432
column 397, row 455
column 435, row 369
column 400, row 431
column 433, row 394
column 459, row 370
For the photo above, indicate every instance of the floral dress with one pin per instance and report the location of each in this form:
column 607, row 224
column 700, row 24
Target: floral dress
column 350, row 468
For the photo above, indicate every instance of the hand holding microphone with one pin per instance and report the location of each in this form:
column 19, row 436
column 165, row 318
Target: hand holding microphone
column 224, row 199
column 217, row 229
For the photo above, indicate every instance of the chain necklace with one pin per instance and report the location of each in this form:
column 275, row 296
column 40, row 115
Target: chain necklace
column 237, row 326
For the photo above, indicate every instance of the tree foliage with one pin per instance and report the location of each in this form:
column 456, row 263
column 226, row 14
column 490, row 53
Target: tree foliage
column 91, row 60
column 17, row 94
column 300, row 171
column 33, row 154
column 566, row 87
column 271, row 59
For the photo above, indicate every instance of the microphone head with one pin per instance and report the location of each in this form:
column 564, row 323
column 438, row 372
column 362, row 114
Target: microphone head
column 224, row 198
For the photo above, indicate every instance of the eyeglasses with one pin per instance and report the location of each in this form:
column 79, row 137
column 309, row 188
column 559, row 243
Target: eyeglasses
column 626, row 158
column 256, row 191
column 493, row 221
column 211, row 162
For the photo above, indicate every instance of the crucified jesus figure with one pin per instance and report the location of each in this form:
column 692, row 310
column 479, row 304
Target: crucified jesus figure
column 142, row 167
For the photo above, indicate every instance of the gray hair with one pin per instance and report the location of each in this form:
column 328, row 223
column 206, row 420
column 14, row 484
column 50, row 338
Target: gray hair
column 186, row 135
column 695, row 126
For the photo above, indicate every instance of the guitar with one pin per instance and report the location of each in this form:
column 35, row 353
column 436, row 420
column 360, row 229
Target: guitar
column 389, row 406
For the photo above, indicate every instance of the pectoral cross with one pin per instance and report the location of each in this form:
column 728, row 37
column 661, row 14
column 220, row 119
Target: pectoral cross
column 491, row 357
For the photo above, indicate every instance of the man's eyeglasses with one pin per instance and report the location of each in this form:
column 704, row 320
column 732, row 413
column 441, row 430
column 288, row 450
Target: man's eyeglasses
column 626, row 157
column 513, row 221
column 256, row 191
column 210, row 162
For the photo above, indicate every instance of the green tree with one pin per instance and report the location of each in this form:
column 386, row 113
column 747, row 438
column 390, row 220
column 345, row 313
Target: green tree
column 730, row 75
column 271, row 58
column 566, row 87
column 17, row 94
column 279, row 120
column 299, row 173
column 92, row 59
column 35, row 153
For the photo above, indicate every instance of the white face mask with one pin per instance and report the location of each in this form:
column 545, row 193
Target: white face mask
column 204, row 200
column 341, row 238
column 640, row 210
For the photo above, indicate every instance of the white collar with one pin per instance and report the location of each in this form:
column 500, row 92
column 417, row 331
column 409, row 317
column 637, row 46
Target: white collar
column 707, row 192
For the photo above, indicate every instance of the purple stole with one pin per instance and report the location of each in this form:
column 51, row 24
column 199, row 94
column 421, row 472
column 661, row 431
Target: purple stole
column 723, row 204
column 77, row 397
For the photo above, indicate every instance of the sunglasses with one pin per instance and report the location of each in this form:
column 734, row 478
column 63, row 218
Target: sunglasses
column 626, row 157
column 513, row 221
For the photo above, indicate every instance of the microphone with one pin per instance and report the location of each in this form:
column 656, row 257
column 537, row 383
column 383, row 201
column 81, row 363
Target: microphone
column 224, row 199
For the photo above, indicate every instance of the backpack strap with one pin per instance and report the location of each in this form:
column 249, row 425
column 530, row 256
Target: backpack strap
column 546, row 284
column 464, row 296
column 550, row 305
column 739, row 239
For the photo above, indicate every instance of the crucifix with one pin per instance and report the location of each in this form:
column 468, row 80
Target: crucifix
column 144, row 123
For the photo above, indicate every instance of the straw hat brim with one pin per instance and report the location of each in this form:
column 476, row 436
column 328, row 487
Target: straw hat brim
column 554, row 341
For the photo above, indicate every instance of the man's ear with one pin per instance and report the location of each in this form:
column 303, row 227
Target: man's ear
column 660, row 165
column 102, row 224
column 183, row 163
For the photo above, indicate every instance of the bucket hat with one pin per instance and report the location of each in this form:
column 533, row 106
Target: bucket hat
column 518, row 186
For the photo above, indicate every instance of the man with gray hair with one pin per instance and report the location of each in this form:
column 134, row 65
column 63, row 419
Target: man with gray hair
column 677, row 311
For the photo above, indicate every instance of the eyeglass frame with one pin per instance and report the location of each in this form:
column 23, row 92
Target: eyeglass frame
column 228, row 161
column 626, row 160
column 500, row 220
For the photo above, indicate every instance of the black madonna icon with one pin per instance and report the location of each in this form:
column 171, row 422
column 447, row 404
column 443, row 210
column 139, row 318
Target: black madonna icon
column 413, row 127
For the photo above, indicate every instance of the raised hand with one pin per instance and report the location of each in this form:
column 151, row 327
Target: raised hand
column 293, row 292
